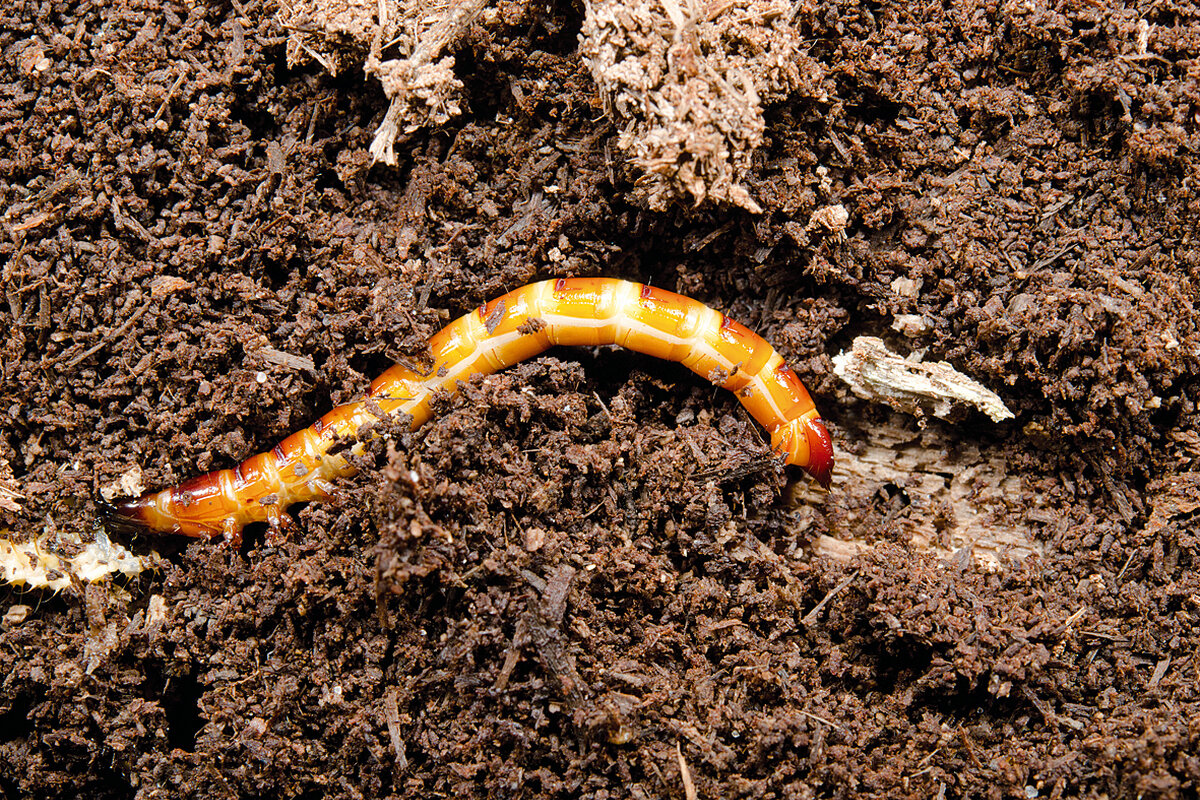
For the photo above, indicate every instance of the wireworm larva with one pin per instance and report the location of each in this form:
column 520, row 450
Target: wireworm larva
column 519, row 325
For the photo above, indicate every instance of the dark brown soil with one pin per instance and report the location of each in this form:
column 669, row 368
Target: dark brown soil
column 584, row 573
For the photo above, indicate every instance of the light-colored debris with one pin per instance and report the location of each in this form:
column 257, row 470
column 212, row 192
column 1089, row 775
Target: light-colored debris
column 832, row 218
column 422, row 91
column 685, row 774
column 168, row 284
column 337, row 34
column 686, row 81
column 100, row 643
column 910, row 324
column 128, row 485
column 907, row 287
column 288, row 360
column 1173, row 500
column 962, row 505
column 15, row 615
column 875, row 373
column 422, row 87
column 157, row 614
column 41, row 563
column 10, row 495
column 391, row 713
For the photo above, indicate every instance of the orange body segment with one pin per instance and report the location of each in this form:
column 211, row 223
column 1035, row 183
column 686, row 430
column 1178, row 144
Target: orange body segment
column 509, row 329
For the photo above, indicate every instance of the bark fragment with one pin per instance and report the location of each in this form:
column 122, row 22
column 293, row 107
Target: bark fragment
column 915, row 387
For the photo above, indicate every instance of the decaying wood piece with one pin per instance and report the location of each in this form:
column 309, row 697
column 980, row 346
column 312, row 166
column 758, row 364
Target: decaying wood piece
column 422, row 91
column 954, row 500
column 915, row 387
column 958, row 503
column 337, row 34
column 686, row 81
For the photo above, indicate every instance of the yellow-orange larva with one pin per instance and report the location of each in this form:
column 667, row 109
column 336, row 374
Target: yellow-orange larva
column 517, row 326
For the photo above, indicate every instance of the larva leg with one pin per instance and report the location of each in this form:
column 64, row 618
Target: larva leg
column 323, row 488
column 232, row 532
column 279, row 525
column 274, row 517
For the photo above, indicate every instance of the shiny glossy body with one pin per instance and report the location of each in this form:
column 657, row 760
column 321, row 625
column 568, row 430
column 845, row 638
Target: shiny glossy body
column 517, row 326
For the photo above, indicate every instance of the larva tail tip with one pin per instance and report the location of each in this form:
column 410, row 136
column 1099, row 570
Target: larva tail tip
column 820, row 452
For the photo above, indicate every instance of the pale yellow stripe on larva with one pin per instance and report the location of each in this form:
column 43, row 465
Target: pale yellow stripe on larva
column 608, row 310
column 274, row 476
column 707, row 322
column 492, row 356
column 675, row 326
column 760, row 400
column 701, row 358
column 228, row 490
column 623, row 295
column 636, row 331
column 625, row 298
column 162, row 502
column 541, row 299
column 622, row 321
column 759, row 357
column 547, row 305
column 460, row 360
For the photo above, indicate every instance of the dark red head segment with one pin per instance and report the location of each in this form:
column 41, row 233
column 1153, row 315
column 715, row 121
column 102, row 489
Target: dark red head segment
column 820, row 451
column 127, row 514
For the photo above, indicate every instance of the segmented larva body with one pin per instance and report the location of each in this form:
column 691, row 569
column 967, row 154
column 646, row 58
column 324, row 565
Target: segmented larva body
column 512, row 328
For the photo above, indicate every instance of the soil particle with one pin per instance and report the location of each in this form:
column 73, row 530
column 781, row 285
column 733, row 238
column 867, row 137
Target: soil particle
column 587, row 571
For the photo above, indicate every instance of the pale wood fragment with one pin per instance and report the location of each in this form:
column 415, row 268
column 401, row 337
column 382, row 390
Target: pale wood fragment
column 915, row 387
column 956, row 504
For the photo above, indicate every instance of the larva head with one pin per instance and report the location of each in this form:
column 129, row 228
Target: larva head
column 806, row 443
column 129, row 514
column 146, row 513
